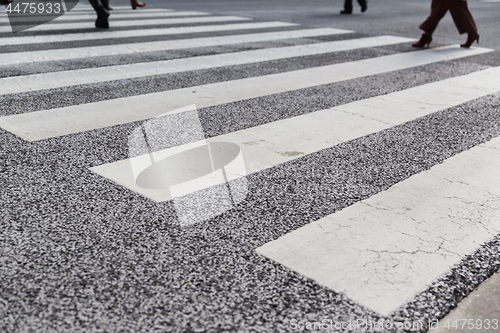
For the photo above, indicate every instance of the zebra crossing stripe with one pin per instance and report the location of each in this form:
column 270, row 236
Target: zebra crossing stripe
column 270, row 144
column 45, row 124
column 117, row 10
column 132, row 23
column 121, row 49
column 19, row 84
column 384, row 250
column 121, row 9
column 140, row 33
column 81, row 8
column 91, row 16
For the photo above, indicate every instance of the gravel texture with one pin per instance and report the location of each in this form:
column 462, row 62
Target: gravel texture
column 80, row 253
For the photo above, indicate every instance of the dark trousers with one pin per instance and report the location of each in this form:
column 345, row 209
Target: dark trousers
column 459, row 12
column 348, row 4
column 99, row 4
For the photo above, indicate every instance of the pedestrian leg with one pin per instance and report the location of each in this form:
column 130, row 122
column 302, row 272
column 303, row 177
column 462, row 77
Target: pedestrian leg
column 102, row 14
column 105, row 4
column 347, row 7
column 363, row 4
column 462, row 17
column 438, row 10
column 464, row 21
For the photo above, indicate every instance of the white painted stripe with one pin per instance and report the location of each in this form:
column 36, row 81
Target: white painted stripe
column 139, row 33
column 281, row 141
column 90, row 16
column 117, row 8
column 120, row 9
column 132, row 23
column 56, row 122
column 43, row 81
column 121, row 49
column 90, row 10
column 383, row 251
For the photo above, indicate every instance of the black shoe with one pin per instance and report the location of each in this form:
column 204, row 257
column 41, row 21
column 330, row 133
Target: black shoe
column 364, row 6
column 5, row 2
column 346, row 11
column 102, row 20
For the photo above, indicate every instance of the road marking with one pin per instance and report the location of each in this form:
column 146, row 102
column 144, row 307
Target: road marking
column 138, row 33
column 50, row 123
column 92, row 16
column 45, row 124
column 81, row 8
column 132, row 23
column 93, row 75
column 119, row 9
column 121, row 49
column 384, row 250
column 270, row 144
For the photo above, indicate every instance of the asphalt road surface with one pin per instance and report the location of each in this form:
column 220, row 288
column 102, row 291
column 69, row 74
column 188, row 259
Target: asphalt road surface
column 253, row 166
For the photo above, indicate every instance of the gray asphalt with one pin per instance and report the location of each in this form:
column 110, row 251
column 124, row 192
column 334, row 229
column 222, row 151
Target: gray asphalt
column 82, row 254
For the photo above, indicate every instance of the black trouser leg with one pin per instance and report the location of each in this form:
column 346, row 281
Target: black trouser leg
column 363, row 4
column 102, row 14
column 105, row 3
column 348, row 6
column 97, row 5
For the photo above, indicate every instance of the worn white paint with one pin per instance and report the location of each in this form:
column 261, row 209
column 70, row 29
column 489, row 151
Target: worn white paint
column 52, row 80
column 127, row 15
column 130, row 48
column 131, row 23
column 97, row 35
column 84, row 7
column 384, row 250
column 74, row 119
column 281, row 141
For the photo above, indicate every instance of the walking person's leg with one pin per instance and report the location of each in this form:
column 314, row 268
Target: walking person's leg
column 438, row 10
column 102, row 14
column 464, row 21
column 363, row 4
column 105, row 4
column 347, row 7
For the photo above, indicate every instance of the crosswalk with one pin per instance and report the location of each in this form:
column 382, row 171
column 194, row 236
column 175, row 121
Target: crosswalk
column 381, row 251
column 142, row 15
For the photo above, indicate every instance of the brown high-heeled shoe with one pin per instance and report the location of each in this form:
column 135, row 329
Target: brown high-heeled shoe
column 137, row 3
column 426, row 39
column 471, row 38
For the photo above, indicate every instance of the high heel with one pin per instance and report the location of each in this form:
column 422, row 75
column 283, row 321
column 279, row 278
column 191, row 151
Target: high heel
column 426, row 39
column 471, row 38
column 137, row 3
